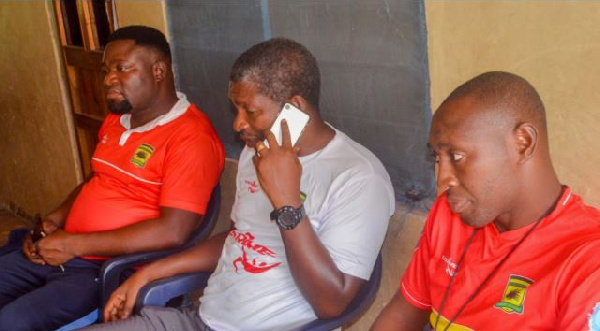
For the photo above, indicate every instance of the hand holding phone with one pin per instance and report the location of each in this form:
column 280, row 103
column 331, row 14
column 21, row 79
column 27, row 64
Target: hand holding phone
column 280, row 170
column 37, row 232
column 296, row 120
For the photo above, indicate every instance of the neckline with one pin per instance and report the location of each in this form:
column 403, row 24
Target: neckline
column 308, row 158
column 511, row 235
column 178, row 109
column 559, row 206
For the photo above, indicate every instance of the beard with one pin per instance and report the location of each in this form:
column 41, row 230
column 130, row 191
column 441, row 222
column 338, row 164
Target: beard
column 251, row 138
column 120, row 107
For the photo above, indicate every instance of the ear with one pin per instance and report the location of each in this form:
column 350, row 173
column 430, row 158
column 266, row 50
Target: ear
column 300, row 103
column 526, row 136
column 159, row 70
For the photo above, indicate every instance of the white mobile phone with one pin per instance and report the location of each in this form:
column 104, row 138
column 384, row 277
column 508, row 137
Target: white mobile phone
column 296, row 121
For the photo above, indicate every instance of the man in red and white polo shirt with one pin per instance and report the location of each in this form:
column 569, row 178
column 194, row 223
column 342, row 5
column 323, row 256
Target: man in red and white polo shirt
column 154, row 168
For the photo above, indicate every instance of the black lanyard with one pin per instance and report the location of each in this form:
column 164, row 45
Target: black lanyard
column 487, row 278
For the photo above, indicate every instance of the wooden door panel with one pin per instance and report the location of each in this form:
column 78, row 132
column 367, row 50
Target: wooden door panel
column 88, row 81
column 87, row 93
column 84, row 26
column 77, row 56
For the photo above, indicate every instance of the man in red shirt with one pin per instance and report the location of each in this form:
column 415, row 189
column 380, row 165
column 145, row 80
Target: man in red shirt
column 154, row 168
column 506, row 246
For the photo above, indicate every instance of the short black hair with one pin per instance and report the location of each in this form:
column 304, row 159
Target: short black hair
column 281, row 68
column 143, row 35
column 511, row 92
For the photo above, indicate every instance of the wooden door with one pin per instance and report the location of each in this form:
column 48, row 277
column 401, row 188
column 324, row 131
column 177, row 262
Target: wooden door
column 84, row 27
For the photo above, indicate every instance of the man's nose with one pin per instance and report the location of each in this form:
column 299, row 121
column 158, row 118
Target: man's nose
column 446, row 176
column 240, row 122
column 109, row 77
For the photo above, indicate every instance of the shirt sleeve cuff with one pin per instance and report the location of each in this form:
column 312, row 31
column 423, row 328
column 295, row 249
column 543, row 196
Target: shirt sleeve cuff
column 412, row 299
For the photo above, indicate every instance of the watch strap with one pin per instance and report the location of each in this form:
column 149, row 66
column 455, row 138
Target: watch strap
column 288, row 217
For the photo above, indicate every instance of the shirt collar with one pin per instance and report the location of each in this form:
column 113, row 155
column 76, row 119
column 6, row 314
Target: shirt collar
column 177, row 110
column 563, row 203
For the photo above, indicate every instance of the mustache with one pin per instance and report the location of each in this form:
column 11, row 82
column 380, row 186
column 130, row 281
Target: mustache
column 255, row 135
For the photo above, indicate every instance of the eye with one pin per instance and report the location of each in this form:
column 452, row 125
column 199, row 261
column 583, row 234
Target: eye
column 456, row 157
column 122, row 68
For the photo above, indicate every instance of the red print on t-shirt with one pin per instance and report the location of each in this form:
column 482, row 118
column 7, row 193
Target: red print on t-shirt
column 252, row 186
column 246, row 240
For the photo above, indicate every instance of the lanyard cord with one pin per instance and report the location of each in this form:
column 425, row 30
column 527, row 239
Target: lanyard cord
column 493, row 272
column 489, row 276
column 458, row 265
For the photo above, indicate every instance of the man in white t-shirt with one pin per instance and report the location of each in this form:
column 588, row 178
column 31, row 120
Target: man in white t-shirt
column 308, row 219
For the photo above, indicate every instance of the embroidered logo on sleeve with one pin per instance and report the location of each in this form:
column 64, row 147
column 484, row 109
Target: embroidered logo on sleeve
column 513, row 299
column 302, row 196
column 142, row 154
column 252, row 186
column 450, row 265
column 246, row 241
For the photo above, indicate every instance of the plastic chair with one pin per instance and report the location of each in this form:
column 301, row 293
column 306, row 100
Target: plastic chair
column 158, row 293
column 115, row 270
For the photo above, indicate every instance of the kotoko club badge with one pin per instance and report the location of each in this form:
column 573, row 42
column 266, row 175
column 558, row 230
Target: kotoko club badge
column 514, row 294
column 142, row 155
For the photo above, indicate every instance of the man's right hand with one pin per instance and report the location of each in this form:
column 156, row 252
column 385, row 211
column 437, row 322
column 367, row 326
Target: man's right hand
column 121, row 302
column 29, row 250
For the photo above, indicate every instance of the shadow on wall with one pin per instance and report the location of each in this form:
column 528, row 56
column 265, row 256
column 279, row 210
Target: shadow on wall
column 373, row 61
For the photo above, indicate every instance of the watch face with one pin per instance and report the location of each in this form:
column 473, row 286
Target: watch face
column 288, row 217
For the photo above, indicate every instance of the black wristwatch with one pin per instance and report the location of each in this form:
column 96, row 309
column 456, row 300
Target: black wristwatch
column 288, row 217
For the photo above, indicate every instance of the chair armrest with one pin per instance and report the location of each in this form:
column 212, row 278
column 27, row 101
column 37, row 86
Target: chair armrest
column 357, row 306
column 158, row 293
column 112, row 269
column 110, row 273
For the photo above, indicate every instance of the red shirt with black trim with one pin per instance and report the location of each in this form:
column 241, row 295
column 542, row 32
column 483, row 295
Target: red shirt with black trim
column 551, row 281
column 173, row 161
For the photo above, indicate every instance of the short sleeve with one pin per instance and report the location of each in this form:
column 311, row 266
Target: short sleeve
column 414, row 284
column 578, row 298
column 192, row 167
column 356, row 222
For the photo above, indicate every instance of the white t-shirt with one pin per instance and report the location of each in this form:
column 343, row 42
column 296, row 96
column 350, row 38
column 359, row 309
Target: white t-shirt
column 349, row 200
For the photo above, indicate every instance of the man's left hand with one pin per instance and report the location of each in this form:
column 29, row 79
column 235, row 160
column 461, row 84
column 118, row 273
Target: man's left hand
column 56, row 249
column 278, row 169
